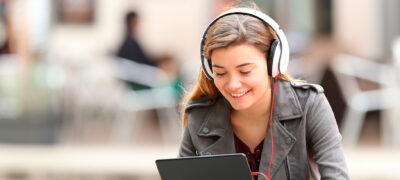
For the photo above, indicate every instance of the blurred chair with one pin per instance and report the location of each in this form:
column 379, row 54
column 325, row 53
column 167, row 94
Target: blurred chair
column 396, row 54
column 395, row 114
column 144, row 74
column 349, row 70
column 28, row 110
column 161, row 98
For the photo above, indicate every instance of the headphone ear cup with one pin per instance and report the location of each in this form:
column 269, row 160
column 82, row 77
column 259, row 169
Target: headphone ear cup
column 206, row 66
column 273, row 57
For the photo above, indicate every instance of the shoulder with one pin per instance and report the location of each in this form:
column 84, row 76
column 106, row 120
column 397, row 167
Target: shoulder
column 298, row 85
column 304, row 92
column 197, row 110
column 200, row 102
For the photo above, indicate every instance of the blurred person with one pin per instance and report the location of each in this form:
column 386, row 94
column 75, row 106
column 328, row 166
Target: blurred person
column 244, row 102
column 4, row 45
column 130, row 48
column 4, row 26
column 167, row 64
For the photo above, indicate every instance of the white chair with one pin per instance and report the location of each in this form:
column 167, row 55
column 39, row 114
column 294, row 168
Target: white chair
column 159, row 97
column 348, row 69
column 394, row 114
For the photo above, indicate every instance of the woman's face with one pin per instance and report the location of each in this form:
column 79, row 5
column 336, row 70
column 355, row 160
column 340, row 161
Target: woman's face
column 241, row 75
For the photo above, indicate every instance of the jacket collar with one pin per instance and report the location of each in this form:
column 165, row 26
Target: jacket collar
column 217, row 125
column 217, row 119
column 286, row 103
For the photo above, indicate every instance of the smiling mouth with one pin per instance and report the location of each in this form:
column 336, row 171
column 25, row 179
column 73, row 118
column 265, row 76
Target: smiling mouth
column 240, row 94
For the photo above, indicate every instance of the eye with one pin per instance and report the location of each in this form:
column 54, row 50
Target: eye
column 220, row 74
column 245, row 72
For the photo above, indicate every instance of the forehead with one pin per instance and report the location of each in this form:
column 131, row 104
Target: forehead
column 237, row 54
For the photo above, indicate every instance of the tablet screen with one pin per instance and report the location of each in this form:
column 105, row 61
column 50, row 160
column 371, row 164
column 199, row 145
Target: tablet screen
column 215, row 167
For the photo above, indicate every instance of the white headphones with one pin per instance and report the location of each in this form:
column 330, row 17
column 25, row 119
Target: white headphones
column 278, row 55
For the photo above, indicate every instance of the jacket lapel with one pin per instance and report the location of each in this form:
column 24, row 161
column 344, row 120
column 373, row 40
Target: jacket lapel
column 217, row 128
column 286, row 103
column 283, row 142
column 286, row 106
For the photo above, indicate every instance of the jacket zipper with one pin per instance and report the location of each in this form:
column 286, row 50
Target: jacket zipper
column 287, row 168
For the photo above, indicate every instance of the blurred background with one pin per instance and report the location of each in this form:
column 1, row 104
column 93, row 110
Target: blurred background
column 90, row 89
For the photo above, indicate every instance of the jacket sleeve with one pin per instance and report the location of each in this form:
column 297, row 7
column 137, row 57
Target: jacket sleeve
column 186, row 148
column 325, row 140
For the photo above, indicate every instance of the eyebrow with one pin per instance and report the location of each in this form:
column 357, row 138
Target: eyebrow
column 240, row 65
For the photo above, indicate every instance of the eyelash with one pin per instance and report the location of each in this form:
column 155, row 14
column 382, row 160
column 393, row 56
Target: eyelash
column 241, row 72
column 245, row 72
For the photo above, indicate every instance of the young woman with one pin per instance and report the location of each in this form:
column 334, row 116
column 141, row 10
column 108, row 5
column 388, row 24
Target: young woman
column 244, row 102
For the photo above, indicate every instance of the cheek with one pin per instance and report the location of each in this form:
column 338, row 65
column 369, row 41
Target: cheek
column 219, row 84
column 258, row 81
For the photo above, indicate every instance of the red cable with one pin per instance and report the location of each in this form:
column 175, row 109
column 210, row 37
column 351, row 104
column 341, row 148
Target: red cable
column 270, row 128
column 272, row 139
column 258, row 173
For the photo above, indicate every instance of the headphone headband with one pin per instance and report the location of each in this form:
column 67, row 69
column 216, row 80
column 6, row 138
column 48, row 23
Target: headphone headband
column 279, row 66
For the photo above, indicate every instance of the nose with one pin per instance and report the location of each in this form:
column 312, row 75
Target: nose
column 234, row 83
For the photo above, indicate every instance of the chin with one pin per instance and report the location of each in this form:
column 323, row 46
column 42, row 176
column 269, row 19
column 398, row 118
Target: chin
column 239, row 106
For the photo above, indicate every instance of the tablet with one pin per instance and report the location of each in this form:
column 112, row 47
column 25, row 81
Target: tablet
column 214, row 167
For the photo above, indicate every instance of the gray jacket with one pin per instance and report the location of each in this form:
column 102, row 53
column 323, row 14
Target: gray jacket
column 307, row 142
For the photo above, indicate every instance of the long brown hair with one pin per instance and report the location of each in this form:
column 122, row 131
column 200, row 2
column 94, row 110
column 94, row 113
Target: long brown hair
column 227, row 31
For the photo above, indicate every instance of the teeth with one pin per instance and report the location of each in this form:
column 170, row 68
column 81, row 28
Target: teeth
column 238, row 95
